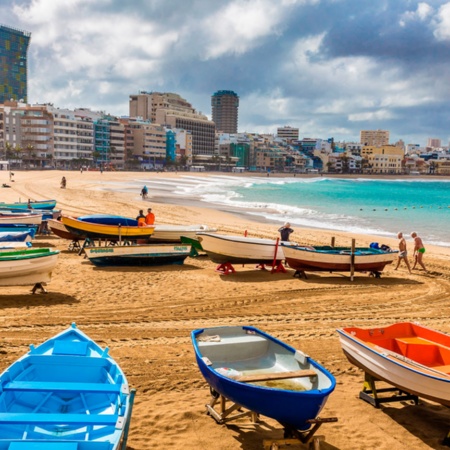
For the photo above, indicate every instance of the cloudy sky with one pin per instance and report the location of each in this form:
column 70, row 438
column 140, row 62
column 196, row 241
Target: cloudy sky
column 329, row 67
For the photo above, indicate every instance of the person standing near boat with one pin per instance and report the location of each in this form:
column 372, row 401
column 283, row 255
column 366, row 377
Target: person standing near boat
column 403, row 254
column 150, row 217
column 419, row 250
column 285, row 231
column 141, row 218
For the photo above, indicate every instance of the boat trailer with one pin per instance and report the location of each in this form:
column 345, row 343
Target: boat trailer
column 218, row 410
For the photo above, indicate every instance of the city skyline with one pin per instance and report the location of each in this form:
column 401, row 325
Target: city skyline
column 329, row 68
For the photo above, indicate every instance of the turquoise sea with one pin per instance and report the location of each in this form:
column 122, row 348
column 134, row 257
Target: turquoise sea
column 368, row 206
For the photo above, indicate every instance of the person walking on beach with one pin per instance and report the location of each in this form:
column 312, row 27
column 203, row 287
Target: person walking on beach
column 63, row 183
column 141, row 218
column 144, row 192
column 150, row 217
column 285, row 231
column 419, row 250
column 403, row 254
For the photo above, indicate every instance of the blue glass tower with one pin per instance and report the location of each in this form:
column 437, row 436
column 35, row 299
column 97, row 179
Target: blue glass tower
column 13, row 64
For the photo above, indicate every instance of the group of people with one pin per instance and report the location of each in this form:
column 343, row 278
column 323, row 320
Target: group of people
column 144, row 220
column 419, row 250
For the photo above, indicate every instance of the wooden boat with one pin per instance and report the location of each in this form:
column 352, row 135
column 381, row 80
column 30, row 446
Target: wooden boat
column 34, row 204
column 64, row 394
column 138, row 255
column 27, row 267
column 11, row 245
column 18, row 228
column 173, row 233
column 16, row 218
column 46, row 214
column 336, row 259
column 84, row 229
column 263, row 374
column 58, row 228
column 222, row 248
column 406, row 355
column 161, row 233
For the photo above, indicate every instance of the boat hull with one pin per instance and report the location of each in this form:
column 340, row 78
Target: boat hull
column 58, row 228
column 412, row 358
column 223, row 249
column 173, row 233
column 28, row 219
column 337, row 260
column 247, row 350
column 90, row 230
column 27, row 267
column 138, row 255
column 67, row 393
column 38, row 204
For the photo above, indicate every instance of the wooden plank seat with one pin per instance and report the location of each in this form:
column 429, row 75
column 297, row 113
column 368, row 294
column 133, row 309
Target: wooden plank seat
column 60, row 419
column 61, row 387
column 55, row 445
column 275, row 376
column 67, row 361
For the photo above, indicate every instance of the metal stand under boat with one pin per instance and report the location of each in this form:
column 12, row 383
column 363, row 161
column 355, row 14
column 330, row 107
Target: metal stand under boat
column 292, row 436
column 370, row 393
column 41, row 288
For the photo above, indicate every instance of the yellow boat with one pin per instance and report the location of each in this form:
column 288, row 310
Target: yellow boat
column 115, row 231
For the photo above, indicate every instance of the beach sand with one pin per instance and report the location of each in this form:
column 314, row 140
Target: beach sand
column 145, row 317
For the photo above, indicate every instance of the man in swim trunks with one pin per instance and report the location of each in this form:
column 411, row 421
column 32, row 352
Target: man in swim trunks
column 419, row 250
column 403, row 254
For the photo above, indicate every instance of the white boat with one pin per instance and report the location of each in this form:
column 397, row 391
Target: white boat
column 337, row 259
column 138, row 255
column 222, row 249
column 58, row 228
column 173, row 233
column 16, row 218
column 27, row 267
column 406, row 355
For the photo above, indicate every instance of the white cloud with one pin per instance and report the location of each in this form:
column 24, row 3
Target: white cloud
column 423, row 12
column 442, row 29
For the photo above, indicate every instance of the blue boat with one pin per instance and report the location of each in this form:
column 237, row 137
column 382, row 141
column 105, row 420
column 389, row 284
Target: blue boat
column 109, row 219
column 17, row 236
column 65, row 394
column 18, row 228
column 263, row 374
column 33, row 204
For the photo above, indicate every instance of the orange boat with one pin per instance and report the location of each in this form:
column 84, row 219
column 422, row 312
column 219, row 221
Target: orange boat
column 413, row 358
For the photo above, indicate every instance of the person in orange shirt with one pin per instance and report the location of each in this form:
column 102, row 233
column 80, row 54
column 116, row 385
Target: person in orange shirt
column 150, row 217
column 141, row 218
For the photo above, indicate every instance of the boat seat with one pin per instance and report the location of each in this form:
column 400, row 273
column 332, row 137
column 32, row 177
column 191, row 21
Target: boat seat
column 229, row 349
column 43, row 446
column 60, row 419
column 61, row 386
column 275, row 376
column 415, row 340
column 66, row 360
column 58, row 445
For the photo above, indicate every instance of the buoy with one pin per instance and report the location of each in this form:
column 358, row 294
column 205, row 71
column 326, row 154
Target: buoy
column 374, row 210
column 413, row 207
column 405, row 208
column 395, row 209
column 361, row 208
column 386, row 209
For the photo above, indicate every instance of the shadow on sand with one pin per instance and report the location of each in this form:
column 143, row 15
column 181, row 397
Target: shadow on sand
column 29, row 300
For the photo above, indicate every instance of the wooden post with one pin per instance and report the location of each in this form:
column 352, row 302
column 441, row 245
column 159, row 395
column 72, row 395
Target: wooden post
column 332, row 241
column 276, row 251
column 352, row 260
column 120, row 234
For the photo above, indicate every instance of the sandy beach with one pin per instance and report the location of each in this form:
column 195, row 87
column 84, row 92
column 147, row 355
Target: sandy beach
column 145, row 316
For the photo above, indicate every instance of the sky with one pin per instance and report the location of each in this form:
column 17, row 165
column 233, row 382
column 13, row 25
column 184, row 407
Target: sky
column 328, row 67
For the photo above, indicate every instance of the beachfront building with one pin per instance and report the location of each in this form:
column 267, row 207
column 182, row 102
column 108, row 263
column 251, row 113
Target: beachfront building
column 149, row 145
column 288, row 134
column 225, row 106
column 145, row 104
column 13, row 62
column 109, row 143
column 382, row 159
column 433, row 143
column 202, row 130
column 376, row 138
column 183, row 146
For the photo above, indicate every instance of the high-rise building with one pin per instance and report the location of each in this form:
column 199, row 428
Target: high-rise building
column 13, row 63
column 376, row 138
column 225, row 106
column 433, row 143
